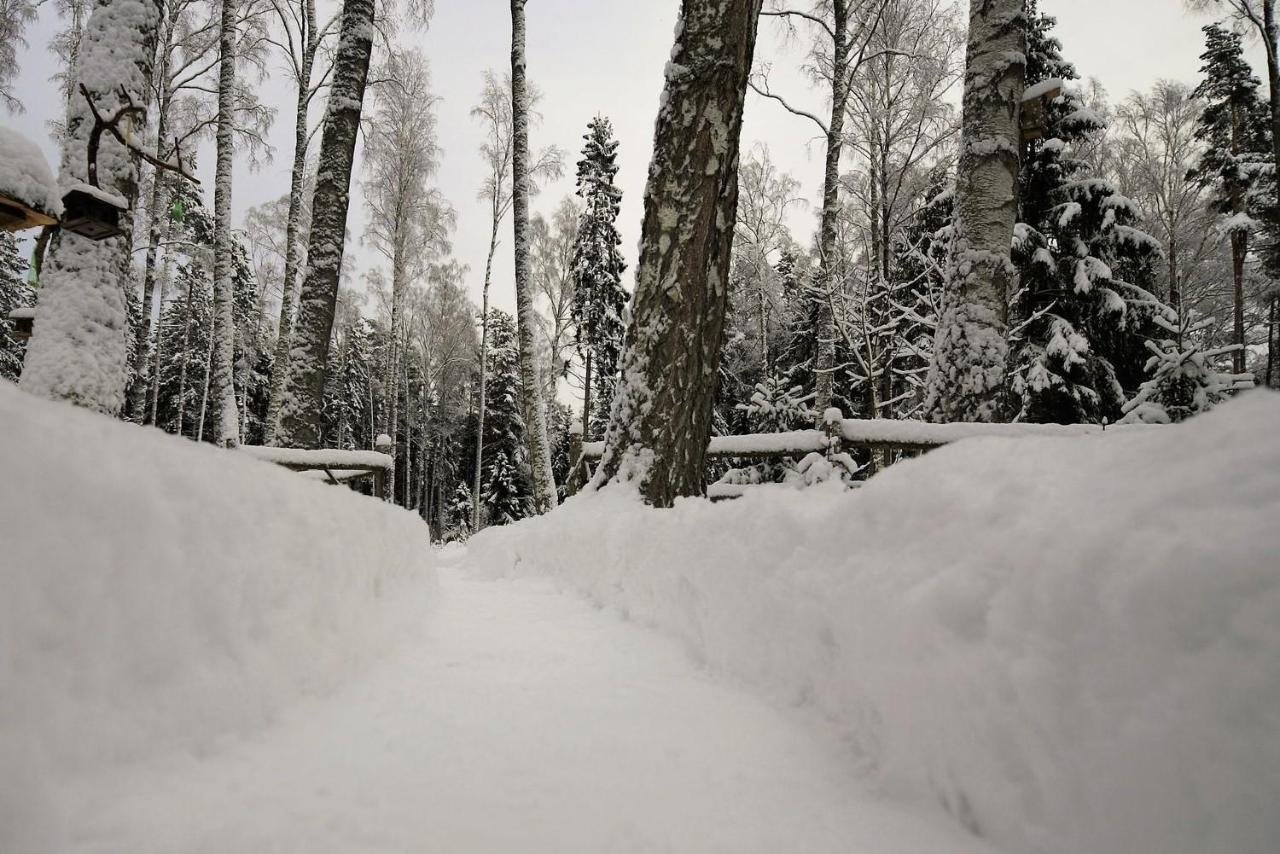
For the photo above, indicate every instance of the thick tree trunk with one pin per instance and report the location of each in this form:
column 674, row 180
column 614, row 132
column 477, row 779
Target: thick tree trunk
column 966, row 382
column 824, row 362
column 319, row 295
column 662, row 411
column 224, row 324
column 79, row 351
column 292, row 239
column 1270, row 33
column 535, row 412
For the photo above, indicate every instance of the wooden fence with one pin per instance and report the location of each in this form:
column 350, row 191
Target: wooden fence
column 332, row 466
column 839, row 434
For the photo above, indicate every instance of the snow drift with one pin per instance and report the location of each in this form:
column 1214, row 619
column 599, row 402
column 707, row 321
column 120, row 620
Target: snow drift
column 1072, row 645
column 158, row 595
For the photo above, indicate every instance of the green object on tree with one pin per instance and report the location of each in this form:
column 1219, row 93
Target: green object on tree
column 33, row 276
column 177, row 211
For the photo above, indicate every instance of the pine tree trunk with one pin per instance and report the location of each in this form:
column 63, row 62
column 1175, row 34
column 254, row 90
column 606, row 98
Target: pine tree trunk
column 79, row 351
column 208, row 382
column 292, row 240
column 539, row 448
column 1273, row 345
column 224, row 326
column 1239, row 252
column 662, row 409
column 302, row 416
column 967, row 379
column 824, row 360
column 484, row 373
column 153, row 398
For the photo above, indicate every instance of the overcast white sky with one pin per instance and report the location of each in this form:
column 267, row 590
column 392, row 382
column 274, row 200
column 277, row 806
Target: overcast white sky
column 607, row 56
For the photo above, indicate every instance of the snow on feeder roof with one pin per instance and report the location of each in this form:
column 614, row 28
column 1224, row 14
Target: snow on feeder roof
column 92, row 212
column 28, row 193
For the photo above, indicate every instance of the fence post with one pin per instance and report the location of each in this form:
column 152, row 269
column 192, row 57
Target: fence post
column 834, row 431
column 576, row 462
column 380, row 479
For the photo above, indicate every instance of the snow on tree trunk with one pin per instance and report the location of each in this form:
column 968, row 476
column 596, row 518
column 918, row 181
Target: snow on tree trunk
column 224, row 326
column 824, row 361
column 662, row 411
column 292, row 240
column 1271, row 41
column 544, row 487
column 308, row 360
column 967, row 378
column 79, row 351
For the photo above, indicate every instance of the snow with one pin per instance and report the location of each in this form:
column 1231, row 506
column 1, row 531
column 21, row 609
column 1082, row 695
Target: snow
column 25, row 175
column 27, row 312
column 1070, row 645
column 163, row 597
column 114, row 199
column 330, row 458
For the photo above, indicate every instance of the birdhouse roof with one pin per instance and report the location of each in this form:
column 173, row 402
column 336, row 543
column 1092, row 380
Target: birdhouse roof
column 25, row 176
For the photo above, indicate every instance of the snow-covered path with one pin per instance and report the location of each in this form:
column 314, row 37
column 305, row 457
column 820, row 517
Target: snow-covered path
column 521, row 719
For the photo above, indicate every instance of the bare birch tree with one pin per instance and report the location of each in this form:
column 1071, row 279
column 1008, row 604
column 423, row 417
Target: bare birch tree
column 535, row 411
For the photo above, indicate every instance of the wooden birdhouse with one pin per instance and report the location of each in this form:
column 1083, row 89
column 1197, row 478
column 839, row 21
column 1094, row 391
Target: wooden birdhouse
column 1034, row 114
column 92, row 213
column 28, row 193
column 23, row 320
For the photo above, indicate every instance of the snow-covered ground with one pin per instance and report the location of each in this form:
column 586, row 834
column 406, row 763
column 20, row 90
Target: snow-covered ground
column 1063, row 645
column 1070, row 644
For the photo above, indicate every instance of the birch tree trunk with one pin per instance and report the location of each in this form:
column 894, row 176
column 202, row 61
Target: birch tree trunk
column 79, row 351
column 292, row 240
column 661, row 418
column 318, row 298
column 824, row 361
column 966, row 381
column 224, row 326
column 544, row 487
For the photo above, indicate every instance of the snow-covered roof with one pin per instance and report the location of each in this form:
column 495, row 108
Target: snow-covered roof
column 102, row 195
column 25, row 176
column 25, row 313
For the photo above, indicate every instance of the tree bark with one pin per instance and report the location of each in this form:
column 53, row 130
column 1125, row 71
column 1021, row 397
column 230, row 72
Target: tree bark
column 79, row 349
column 292, row 240
column 318, row 298
column 824, row 361
column 535, row 430
column 966, row 382
column 224, row 325
column 662, row 412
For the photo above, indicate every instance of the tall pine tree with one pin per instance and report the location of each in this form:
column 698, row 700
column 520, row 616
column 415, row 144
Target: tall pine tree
column 1235, row 128
column 14, row 293
column 1084, row 308
column 599, row 298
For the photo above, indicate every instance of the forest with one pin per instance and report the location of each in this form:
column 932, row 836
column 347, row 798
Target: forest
column 1139, row 284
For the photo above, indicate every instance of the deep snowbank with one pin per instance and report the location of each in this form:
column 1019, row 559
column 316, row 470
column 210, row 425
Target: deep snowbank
column 159, row 595
column 1072, row 644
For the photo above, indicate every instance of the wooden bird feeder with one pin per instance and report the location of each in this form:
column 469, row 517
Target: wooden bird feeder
column 91, row 213
column 1034, row 115
column 16, row 215
column 23, row 320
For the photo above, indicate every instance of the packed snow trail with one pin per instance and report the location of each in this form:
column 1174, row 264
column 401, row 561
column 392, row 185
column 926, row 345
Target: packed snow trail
column 520, row 719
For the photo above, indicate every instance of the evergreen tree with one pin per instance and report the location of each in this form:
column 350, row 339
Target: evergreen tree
column 1079, row 321
column 458, row 513
column 14, row 293
column 506, row 491
column 1235, row 128
column 599, row 299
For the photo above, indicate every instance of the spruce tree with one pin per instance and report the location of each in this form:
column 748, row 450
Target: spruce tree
column 506, row 489
column 14, row 293
column 1084, row 308
column 1235, row 128
column 599, row 299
